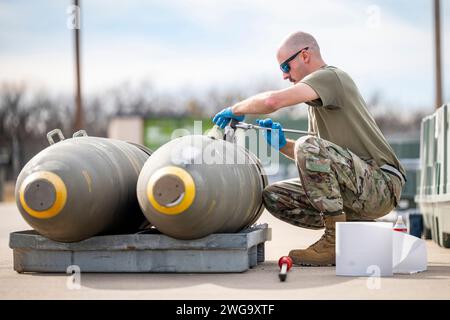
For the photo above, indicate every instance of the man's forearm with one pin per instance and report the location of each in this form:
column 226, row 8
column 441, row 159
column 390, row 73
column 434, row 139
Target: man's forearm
column 258, row 104
column 288, row 149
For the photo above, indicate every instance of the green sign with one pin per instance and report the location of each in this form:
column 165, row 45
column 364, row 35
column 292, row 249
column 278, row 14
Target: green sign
column 160, row 131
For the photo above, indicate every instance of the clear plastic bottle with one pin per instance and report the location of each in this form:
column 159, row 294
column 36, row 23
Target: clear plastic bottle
column 400, row 225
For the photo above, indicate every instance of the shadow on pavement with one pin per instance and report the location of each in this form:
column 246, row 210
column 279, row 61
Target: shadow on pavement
column 264, row 276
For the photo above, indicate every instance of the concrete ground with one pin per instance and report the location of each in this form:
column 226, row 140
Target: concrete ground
column 260, row 282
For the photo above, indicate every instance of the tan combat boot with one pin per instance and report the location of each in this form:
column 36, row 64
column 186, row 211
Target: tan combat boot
column 323, row 252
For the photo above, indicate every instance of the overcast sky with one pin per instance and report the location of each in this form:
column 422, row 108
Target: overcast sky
column 386, row 46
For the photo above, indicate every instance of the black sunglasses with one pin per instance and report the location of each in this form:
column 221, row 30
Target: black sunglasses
column 285, row 67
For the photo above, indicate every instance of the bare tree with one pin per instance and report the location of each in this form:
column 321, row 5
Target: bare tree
column 14, row 117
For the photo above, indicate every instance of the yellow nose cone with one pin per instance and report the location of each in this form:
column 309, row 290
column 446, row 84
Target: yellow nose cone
column 43, row 194
column 171, row 190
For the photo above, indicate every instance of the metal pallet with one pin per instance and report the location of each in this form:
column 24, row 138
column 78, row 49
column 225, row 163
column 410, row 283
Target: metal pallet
column 148, row 251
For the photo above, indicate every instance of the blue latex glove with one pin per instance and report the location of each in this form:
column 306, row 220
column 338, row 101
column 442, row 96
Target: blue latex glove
column 224, row 117
column 275, row 138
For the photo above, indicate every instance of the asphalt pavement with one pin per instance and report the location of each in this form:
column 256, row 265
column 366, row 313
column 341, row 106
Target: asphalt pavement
column 260, row 282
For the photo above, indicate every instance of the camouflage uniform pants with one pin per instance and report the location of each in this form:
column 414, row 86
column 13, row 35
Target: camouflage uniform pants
column 335, row 180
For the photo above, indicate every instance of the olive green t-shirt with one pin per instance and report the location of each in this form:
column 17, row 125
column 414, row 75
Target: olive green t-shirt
column 341, row 116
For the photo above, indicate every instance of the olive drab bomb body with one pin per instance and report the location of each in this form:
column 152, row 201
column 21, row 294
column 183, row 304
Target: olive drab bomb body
column 81, row 187
column 196, row 185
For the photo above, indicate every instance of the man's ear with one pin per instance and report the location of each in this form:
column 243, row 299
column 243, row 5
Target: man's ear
column 305, row 56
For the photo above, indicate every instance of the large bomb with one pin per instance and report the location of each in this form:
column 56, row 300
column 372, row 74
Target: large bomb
column 81, row 187
column 197, row 185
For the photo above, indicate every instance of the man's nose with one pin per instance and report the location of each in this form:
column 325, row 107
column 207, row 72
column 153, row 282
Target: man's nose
column 285, row 76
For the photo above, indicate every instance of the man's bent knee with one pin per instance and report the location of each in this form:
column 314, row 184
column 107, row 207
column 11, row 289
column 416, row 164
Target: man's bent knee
column 270, row 196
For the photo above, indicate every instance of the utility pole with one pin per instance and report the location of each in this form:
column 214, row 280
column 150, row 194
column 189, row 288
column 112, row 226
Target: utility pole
column 437, row 42
column 79, row 121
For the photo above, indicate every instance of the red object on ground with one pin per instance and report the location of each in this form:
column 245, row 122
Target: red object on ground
column 285, row 264
column 287, row 260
